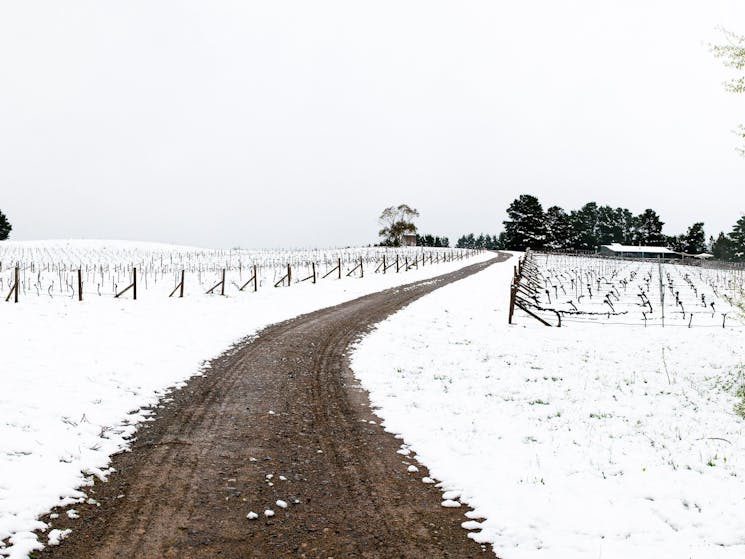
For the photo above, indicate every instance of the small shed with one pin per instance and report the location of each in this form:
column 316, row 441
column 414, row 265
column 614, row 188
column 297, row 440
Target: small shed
column 630, row 251
column 408, row 240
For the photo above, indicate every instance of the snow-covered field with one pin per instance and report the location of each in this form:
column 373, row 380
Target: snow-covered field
column 588, row 441
column 74, row 376
column 49, row 269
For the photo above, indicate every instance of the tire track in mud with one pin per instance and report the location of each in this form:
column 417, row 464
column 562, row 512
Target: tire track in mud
column 282, row 403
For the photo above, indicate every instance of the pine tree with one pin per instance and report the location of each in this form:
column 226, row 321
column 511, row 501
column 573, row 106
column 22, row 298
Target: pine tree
column 694, row 240
column 5, row 227
column 610, row 227
column 558, row 229
column 627, row 224
column 525, row 227
column 585, row 227
column 649, row 229
column 723, row 248
column 737, row 236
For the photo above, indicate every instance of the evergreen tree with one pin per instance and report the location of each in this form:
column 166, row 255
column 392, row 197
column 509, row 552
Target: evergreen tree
column 431, row 241
column 610, row 229
column 694, row 240
column 558, row 229
column 737, row 236
column 585, row 227
column 525, row 227
column 649, row 229
column 5, row 227
column 627, row 224
column 676, row 243
column 723, row 248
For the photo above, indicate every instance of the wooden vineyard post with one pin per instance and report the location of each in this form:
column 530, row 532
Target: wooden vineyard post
column 312, row 276
column 397, row 266
column 221, row 285
column 254, row 279
column 80, row 284
column 384, row 263
column 513, row 293
column 179, row 287
column 14, row 290
column 287, row 277
column 132, row 286
column 353, row 270
column 332, row 270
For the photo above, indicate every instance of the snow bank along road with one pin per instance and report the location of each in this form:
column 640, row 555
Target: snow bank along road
column 276, row 429
column 583, row 442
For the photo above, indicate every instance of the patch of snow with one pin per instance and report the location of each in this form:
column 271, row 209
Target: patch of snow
column 56, row 536
column 584, row 441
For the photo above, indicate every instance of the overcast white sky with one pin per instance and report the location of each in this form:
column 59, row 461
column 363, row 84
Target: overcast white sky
column 294, row 123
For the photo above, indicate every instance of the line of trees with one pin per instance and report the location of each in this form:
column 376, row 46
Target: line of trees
column 591, row 226
column 488, row 242
column 584, row 229
column 428, row 240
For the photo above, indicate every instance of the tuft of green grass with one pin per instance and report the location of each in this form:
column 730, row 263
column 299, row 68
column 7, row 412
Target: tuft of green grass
column 740, row 406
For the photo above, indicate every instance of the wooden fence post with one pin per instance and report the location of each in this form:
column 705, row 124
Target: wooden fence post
column 221, row 285
column 132, row 286
column 14, row 290
column 287, row 277
column 80, row 284
column 179, row 287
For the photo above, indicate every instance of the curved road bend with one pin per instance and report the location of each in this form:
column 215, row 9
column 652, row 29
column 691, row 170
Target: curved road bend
column 284, row 403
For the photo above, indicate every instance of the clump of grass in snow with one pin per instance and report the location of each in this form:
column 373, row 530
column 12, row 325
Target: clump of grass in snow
column 740, row 406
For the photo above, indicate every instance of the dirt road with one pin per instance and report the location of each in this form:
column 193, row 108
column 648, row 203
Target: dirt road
column 276, row 418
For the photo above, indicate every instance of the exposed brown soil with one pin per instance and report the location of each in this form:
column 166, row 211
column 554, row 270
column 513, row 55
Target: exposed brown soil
column 284, row 403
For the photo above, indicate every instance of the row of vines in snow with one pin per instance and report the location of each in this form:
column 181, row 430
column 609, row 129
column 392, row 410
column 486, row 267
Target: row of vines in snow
column 53, row 269
column 559, row 288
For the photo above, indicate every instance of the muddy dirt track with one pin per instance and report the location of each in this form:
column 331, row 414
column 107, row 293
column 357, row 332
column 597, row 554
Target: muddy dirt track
column 282, row 404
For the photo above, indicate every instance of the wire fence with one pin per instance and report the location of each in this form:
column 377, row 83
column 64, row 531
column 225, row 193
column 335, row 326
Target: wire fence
column 561, row 288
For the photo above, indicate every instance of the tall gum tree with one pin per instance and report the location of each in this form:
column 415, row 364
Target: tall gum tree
column 732, row 54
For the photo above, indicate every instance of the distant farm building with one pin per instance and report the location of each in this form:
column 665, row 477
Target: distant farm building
column 628, row 251
column 408, row 240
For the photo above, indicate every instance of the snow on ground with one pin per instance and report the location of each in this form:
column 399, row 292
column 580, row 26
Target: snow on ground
column 74, row 377
column 586, row 441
